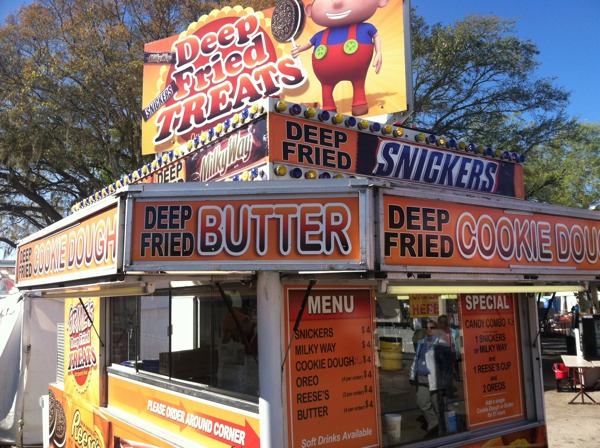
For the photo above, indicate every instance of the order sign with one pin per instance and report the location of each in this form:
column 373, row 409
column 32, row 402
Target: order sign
column 332, row 380
column 492, row 358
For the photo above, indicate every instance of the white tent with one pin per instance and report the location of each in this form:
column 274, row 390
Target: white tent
column 27, row 364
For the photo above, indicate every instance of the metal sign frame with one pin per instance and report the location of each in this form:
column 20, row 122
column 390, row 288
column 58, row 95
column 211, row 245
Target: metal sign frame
column 145, row 202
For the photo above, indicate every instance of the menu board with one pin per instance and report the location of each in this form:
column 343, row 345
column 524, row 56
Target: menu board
column 331, row 374
column 492, row 358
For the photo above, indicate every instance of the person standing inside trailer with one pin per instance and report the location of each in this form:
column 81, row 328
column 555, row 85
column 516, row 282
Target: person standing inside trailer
column 430, row 374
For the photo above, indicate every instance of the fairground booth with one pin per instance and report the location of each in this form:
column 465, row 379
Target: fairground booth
column 289, row 270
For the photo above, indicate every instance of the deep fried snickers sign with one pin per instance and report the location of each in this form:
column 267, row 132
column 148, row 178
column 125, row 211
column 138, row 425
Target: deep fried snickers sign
column 319, row 146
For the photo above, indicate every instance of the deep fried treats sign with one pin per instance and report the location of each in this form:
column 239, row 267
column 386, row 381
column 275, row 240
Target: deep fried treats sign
column 220, row 65
column 229, row 59
column 82, row 348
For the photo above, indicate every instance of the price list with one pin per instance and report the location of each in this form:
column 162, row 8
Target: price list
column 492, row 359
column 332, row 381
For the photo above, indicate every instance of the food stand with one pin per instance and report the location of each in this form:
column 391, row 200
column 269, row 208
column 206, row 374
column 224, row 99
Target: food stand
column 257, row 284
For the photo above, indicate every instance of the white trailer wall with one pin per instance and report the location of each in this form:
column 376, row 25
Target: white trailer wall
column 27, row 364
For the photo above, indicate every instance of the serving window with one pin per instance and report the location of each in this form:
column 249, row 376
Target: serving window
column 447, row 364
column 202, row 334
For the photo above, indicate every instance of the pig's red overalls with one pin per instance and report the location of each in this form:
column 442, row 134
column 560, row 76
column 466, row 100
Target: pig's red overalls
column 347, row 61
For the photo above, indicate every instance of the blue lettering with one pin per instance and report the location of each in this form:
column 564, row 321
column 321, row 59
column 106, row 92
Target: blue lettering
column 431, row 173
column 463, row 171
column 386, row 153
column 490, row 174
column 446, row 177
column 406, row 162
column 418, row 175
column 475, row 177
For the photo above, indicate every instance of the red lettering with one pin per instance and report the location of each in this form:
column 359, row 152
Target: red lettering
column 208, row 44
column 246, row 92
column 246, row 26
column 220, row 100
column 186, row 50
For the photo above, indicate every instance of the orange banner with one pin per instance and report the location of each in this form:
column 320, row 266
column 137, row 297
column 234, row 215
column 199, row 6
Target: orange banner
column 87, row 247
column 419, row 232
column 82, row 349
column 332, row 379
column 194, row 419
column 258, row 230
column 302, row 142
column 345, row 149
column 492, row 359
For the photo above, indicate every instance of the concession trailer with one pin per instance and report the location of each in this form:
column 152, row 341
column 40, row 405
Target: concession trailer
column 271, row 280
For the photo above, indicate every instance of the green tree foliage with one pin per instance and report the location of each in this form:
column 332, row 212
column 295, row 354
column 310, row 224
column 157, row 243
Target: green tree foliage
column 566, row 170
column 475, row 80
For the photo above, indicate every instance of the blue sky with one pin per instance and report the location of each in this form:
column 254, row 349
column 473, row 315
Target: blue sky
column 567, row 33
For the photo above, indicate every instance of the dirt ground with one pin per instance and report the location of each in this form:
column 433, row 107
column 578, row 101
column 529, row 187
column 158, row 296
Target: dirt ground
column 572, row 425
column 568, row 425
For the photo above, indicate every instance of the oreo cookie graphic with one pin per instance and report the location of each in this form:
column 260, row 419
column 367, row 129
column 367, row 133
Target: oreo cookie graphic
column 58, row 423
column 52, row 411
column 60, row 434
column 287, row 21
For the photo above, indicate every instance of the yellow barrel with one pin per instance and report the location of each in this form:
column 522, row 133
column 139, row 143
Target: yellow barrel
column 390, row 353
